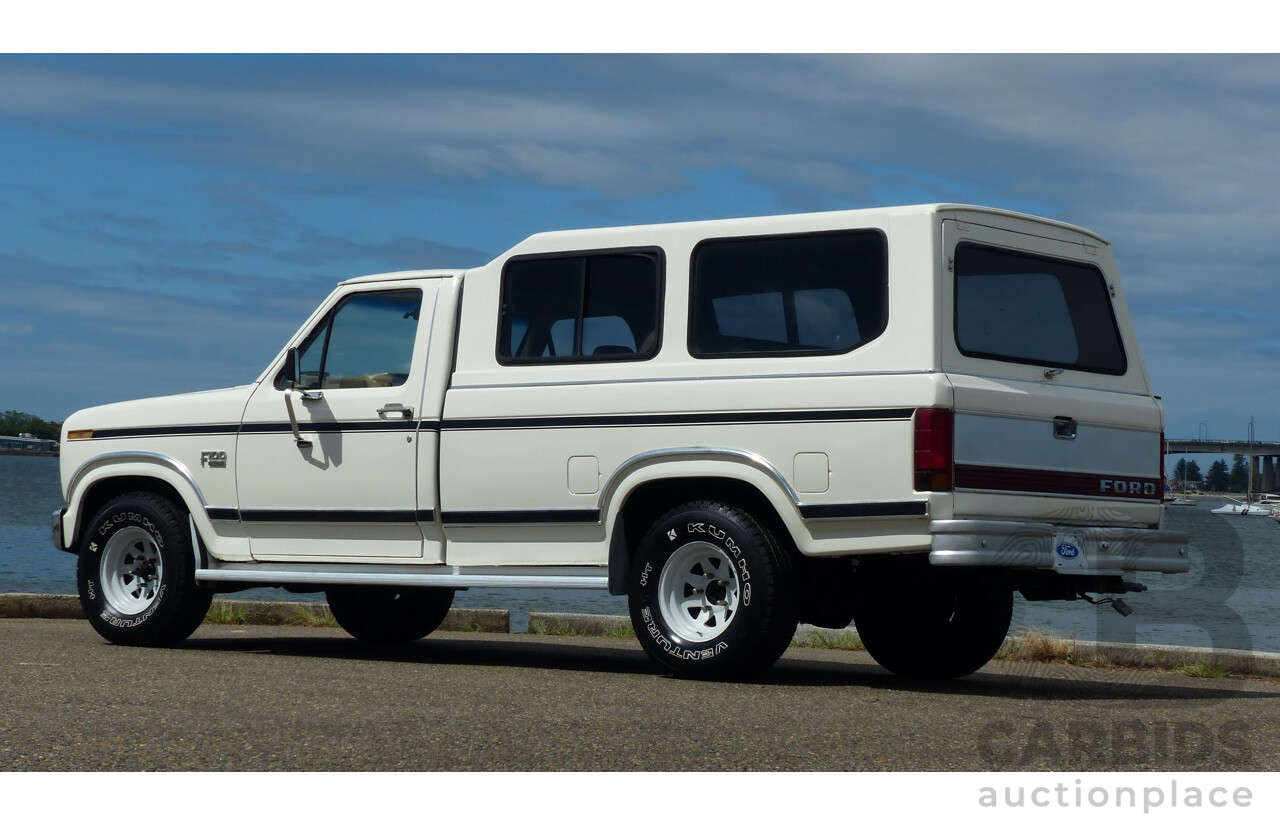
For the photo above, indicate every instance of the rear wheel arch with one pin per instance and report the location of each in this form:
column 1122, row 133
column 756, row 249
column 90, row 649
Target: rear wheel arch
column 646, row 502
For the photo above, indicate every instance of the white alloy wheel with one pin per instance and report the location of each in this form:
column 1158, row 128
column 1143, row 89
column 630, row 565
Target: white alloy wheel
column 698, row 591
column 131, row 570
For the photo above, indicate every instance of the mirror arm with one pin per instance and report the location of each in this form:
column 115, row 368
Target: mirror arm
column 292, row 370
column 293, row 419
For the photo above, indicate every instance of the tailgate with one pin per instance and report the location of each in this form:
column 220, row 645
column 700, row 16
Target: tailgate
column 1054, row 421
column 1063, row 456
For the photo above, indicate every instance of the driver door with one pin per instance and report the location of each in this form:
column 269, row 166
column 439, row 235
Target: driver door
column 342, row 485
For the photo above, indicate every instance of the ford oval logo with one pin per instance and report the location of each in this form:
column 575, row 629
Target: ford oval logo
column 1068, row 550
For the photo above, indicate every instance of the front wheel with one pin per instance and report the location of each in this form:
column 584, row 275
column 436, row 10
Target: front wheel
column 712, row 593
column 136, row 574
column 389, row 615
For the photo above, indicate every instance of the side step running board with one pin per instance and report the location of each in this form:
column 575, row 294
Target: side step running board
column 400, row 575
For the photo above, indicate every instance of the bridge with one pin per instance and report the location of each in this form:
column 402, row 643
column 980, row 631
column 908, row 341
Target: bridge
column 1262, row 457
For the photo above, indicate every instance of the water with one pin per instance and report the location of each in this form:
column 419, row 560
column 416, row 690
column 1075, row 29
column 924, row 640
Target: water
column 1227, row 601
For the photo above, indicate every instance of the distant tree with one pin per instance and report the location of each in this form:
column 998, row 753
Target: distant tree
column 1187, row 471
column 1219, row 477
column 16, row 423
column 1239, row 474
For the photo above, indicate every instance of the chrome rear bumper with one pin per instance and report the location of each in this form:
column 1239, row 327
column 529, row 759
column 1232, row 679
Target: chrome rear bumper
column 1068, row 549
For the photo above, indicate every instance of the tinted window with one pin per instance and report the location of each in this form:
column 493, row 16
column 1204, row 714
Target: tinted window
column 586, row 307
column 1011, row 306
column 367, row 341
column 788, row 295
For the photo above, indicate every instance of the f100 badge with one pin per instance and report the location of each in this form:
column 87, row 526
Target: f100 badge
column 213, row 458
column 1067, row 550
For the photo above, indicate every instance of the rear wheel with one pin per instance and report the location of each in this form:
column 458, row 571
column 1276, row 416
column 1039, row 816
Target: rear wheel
column 389, row 615
column 827, row 599
column 712, row 593
column 136, row 572
column 931, row 624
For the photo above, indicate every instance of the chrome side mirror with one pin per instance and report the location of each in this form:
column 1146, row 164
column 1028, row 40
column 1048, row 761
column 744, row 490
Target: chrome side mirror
column 292, row 367
column 292, row 371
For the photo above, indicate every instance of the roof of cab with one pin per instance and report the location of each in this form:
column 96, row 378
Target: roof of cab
column 405, row 275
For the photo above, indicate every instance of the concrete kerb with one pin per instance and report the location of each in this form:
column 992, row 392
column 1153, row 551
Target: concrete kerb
column 34, row 606
column 1239, row 662
column 243, row 611
column 575, row 624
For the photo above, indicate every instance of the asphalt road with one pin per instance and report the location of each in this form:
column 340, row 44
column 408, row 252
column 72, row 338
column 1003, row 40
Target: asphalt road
column 299, row 699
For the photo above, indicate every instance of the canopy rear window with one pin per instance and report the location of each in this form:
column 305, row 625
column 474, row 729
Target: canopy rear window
column 1028, row 309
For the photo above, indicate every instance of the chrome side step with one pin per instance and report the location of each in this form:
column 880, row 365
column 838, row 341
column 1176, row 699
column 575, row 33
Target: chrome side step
column 404, row 575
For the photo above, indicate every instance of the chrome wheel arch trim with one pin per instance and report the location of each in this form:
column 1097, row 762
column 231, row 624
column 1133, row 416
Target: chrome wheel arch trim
column 722, row 454
column 134, row 457
column 139, row 459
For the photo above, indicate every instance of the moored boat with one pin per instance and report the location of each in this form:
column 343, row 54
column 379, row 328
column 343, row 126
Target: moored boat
column 1248, row 508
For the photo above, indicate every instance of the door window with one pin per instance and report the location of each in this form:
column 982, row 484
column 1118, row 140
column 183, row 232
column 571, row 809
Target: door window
column 366, row 341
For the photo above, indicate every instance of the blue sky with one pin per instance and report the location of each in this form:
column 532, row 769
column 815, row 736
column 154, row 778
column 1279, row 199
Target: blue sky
column 167, row 221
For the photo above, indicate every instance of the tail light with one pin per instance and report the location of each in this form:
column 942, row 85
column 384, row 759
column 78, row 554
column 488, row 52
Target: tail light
column 935, row 441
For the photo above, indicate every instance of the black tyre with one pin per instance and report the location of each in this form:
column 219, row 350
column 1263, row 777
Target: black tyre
column 389, row 615
column 136, row 572
column 933, row 625
column 827, row 593
column 712, row 594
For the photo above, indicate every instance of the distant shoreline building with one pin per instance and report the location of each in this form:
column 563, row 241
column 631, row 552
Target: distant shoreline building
column 26, row 441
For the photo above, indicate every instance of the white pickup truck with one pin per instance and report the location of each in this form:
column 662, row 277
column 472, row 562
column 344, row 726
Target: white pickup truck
column 894, row 416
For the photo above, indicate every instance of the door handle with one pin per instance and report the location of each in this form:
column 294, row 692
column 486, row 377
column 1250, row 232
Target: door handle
column 393, row 411
column 1064, row 428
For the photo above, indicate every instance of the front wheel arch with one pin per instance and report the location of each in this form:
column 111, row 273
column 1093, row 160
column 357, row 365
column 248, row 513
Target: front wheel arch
column 104, row 489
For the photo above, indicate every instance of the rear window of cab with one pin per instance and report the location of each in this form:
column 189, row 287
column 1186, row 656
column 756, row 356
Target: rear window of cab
column 603, row 305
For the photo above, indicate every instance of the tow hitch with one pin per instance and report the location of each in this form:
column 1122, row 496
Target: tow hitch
column 1118, row 604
